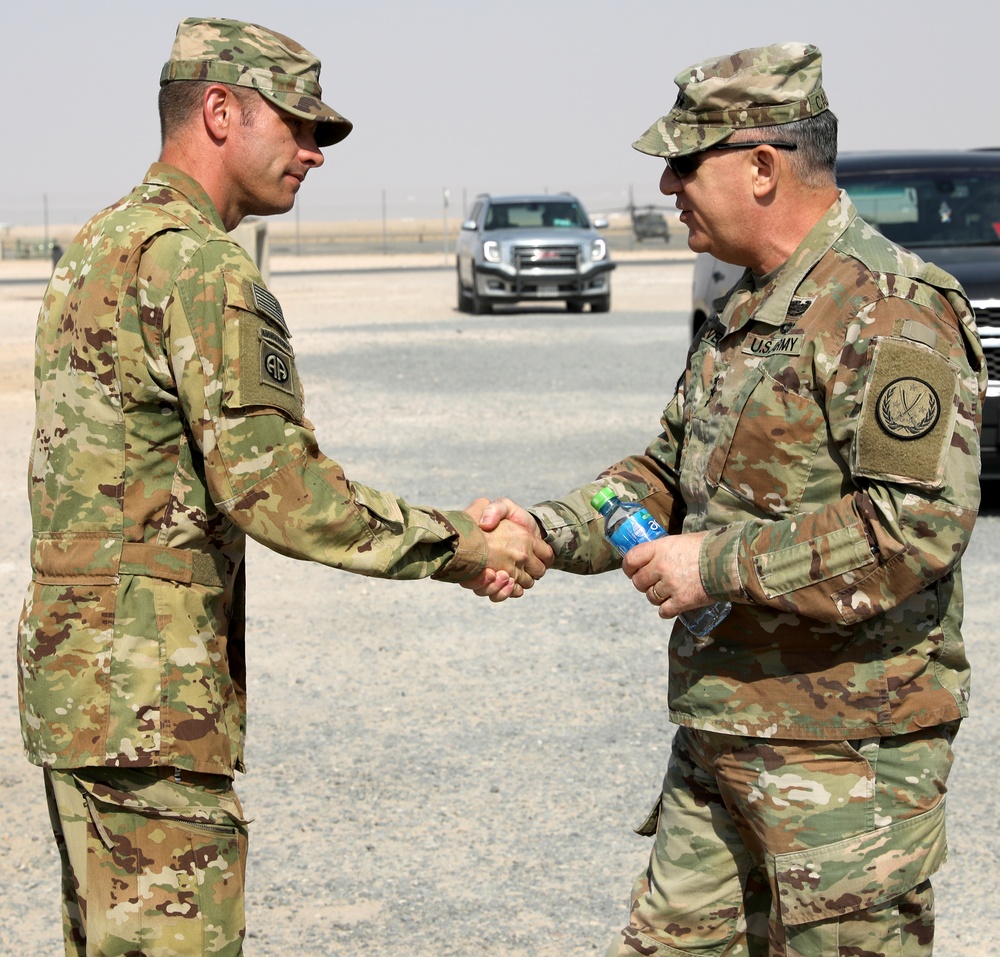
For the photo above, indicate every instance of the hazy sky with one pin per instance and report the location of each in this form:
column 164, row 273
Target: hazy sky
column 473, row 96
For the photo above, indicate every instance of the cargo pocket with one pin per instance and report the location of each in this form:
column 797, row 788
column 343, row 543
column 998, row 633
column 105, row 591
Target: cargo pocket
column 171, row 874
column 861, row 872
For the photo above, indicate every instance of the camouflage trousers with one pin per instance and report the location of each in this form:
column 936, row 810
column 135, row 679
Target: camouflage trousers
column 793, row 848
column 153, row 862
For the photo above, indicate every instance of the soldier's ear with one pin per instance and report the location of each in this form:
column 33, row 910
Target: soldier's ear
column 765, row 164
column 220, row 109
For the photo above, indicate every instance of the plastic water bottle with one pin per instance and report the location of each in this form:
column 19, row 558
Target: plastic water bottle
column 627, row 524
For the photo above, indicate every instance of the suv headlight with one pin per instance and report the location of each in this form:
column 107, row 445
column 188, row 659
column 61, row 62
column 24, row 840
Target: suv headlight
column 599, row 250
column 491, row 251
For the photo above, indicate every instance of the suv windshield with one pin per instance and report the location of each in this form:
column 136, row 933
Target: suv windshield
column 549, row 214
column 929, row 208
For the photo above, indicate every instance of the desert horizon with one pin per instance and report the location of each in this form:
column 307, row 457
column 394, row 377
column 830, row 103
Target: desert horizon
column 21, row 241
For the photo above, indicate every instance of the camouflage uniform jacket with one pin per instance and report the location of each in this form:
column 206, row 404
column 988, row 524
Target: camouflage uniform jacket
column 169, row 426
column 826, row 434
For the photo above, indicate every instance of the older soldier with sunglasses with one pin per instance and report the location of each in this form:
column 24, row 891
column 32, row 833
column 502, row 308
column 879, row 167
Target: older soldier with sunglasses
column 818, row 466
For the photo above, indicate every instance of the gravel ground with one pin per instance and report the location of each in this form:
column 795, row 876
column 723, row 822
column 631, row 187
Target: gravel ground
column 432, row 775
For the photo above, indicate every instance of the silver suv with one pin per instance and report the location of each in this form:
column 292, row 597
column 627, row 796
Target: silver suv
column 538, row 248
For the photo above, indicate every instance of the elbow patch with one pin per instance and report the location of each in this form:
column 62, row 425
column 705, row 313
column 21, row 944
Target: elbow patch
column 908, row 413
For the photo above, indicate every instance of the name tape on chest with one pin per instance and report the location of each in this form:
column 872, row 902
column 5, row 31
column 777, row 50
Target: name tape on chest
column 782, row 341
column 777, row 344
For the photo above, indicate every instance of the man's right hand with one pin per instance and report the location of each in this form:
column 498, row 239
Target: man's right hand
column 516, row 555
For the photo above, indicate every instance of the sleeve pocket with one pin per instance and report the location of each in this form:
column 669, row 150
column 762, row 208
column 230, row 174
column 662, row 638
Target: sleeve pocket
column 817, row 560
column 382, row 508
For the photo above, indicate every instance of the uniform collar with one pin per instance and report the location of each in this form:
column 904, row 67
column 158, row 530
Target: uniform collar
column 771, row 302
column 163, row 174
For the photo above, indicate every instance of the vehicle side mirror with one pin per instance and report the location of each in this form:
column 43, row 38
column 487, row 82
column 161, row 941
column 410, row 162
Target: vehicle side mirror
column 469, row 224
column 600, row 223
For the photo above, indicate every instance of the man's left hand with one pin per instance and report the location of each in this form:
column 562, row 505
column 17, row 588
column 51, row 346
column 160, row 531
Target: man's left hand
column 667, row 572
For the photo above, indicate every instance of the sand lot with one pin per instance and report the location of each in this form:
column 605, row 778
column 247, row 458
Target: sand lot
column 431, row 775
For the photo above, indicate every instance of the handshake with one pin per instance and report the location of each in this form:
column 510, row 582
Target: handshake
column 516, row 554
column 666, row 570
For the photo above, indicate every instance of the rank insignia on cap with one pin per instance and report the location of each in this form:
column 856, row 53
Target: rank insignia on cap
column 907, row 408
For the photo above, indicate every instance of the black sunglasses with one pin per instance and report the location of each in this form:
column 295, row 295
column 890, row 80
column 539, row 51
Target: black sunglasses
column 685, row 165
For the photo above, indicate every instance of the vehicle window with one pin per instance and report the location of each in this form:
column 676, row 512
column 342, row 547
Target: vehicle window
column 527, row 215
column 939, row 208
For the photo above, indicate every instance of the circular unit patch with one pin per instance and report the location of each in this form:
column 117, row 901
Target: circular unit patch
column 908, row 408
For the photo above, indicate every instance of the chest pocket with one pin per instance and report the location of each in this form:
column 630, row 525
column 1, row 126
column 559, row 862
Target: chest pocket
column 260, row 364
column 765, row 449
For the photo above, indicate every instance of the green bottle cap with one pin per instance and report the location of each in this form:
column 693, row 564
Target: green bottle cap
column 603, row 497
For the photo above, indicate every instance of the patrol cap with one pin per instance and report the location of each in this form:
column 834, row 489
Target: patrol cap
column 760, row 86
column 245, row 54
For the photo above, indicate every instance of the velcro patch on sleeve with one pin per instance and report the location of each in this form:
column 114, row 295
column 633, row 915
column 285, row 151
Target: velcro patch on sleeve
column 907, row 414
column 268, row 377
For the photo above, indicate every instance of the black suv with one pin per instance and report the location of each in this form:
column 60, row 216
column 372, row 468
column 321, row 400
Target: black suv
column 945, row 206
column 528, row 247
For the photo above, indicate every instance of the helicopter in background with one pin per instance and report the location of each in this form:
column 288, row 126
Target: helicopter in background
column 648, row 222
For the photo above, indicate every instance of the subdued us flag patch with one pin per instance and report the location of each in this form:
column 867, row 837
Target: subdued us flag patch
column 267, row 304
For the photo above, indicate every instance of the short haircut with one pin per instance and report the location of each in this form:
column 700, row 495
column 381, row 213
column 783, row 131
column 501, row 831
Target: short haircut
column 814, row 162
column 180, row 101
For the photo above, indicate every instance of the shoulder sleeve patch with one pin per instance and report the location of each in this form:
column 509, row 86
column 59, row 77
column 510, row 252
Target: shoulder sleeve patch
column 907, row 414
column 268, row 377
column 260, row 364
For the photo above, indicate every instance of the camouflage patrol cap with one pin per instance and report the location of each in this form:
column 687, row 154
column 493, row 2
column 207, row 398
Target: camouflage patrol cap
column 245, row 54
column 761, row 86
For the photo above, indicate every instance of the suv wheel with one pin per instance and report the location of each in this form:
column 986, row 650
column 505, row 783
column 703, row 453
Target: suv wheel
column 480, row 304
column 601, row 304
column 464, row 297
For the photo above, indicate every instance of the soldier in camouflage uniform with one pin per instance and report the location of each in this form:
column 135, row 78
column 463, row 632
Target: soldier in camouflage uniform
column 169, row 427
column 818, row 465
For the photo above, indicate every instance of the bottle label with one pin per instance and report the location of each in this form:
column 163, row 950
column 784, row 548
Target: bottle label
column 639, row 527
